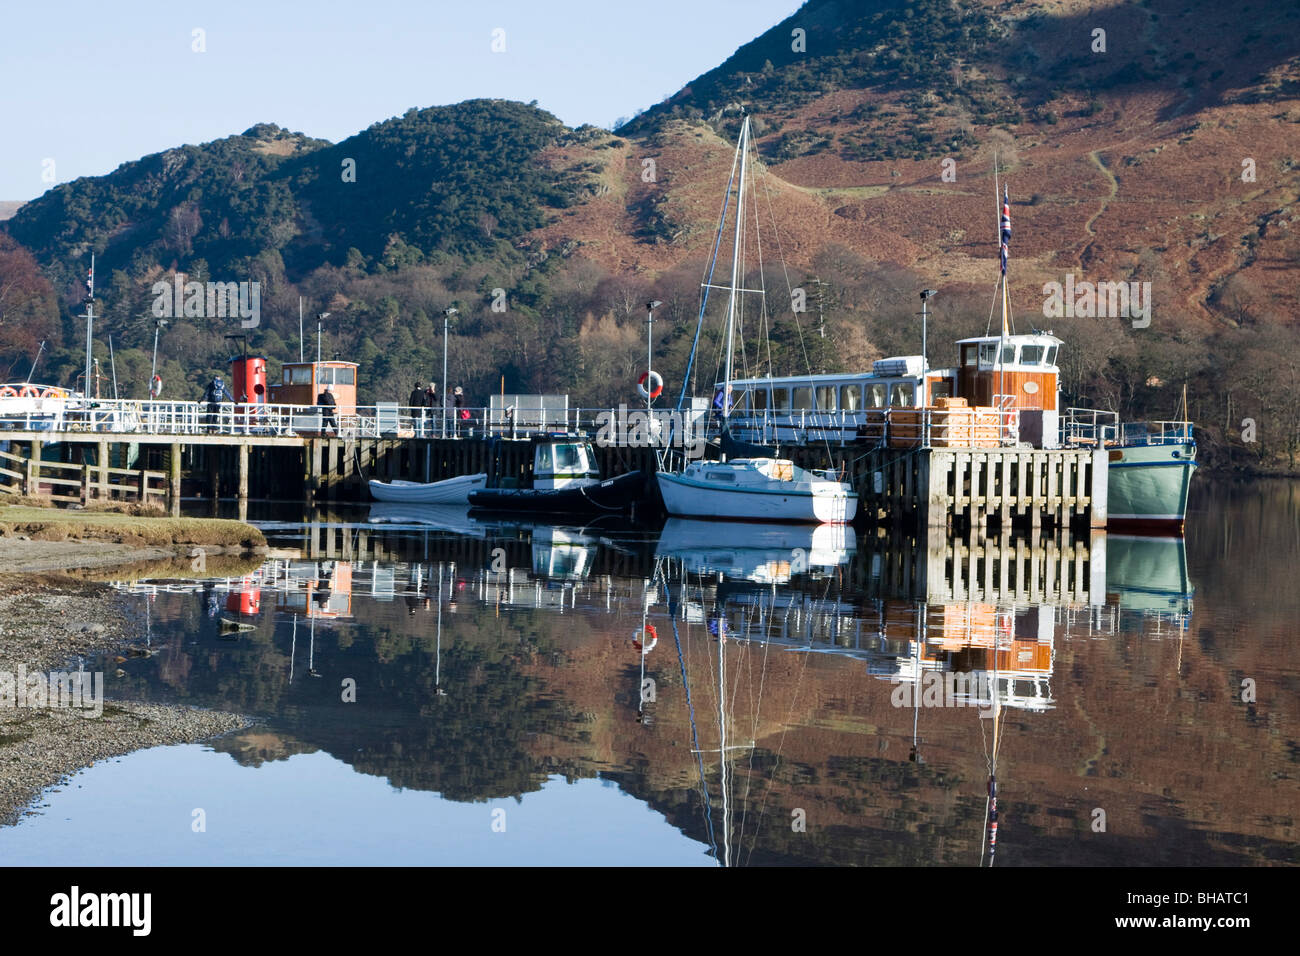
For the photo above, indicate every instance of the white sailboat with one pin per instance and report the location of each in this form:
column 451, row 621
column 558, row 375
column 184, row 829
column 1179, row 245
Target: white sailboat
column 751, row 488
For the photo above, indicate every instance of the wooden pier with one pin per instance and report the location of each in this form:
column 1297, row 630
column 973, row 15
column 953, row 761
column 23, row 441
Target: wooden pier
column 981, row 488
column 958, row 488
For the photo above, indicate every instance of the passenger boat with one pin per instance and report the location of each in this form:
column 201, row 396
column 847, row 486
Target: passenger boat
column 565, row 481
column 450, row 491
column 751, row 486
column 1005, row 390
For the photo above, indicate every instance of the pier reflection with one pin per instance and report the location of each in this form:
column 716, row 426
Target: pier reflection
column 726, row 675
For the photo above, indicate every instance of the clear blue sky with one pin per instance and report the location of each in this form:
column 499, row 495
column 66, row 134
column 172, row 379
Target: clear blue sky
column 92, row 85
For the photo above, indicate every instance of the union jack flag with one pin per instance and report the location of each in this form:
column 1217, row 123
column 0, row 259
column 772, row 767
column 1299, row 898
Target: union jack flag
column 1006, row 229
column 90, row 278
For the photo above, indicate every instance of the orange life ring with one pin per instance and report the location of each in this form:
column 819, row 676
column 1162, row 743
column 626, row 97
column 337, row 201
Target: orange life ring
column 29, row 391
column 650, row 644
column 51, row 393
column 7, row 391
column 656, row 388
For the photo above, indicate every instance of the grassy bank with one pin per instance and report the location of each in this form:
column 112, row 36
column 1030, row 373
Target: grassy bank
column 56, row 524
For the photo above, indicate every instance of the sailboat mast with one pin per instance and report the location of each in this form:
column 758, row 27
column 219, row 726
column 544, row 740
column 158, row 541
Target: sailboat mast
column 735, row 266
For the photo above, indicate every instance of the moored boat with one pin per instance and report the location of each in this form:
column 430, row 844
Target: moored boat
column 757, row 489
column 565, row 481
column 447, row 492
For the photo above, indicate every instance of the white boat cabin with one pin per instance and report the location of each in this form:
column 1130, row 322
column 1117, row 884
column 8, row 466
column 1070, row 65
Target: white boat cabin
column 835, row 407
column 564, row 463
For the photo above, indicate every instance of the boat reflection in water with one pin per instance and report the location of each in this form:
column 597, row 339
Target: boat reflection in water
column 762, row 553
column 723, row 673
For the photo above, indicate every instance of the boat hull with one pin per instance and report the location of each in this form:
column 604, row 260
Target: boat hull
column 693, row 499
column 452, row 491
column 611, row 496
column 1148, row 486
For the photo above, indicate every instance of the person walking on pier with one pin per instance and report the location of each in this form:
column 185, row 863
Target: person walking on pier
column 214, row 396
column 458, row 402
column 327, row 405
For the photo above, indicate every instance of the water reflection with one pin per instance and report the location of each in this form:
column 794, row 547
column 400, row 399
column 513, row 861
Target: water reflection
column 778, row 694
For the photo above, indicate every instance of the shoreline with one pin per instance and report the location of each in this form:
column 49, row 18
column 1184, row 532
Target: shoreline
column 49, row 618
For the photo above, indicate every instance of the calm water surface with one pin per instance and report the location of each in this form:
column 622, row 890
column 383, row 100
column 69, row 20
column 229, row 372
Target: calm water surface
column 431, row 688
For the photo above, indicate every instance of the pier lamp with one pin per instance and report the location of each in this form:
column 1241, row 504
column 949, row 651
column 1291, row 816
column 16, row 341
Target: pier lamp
column 649, row 349
column 925, row 315
column 320, row 322
column 447, row 313
column 158, row 326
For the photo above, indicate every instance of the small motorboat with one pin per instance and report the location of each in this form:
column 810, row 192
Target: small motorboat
column 450, row 491
column 565, row 481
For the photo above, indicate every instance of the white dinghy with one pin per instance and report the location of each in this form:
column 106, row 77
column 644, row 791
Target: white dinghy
column 450, row 491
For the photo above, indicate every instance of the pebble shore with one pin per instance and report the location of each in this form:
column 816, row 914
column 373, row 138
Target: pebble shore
column 46, row 622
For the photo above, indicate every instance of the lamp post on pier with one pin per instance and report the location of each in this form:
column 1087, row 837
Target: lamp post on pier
column 447, row 313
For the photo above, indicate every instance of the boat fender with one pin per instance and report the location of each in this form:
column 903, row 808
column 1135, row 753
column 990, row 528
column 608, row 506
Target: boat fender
column 656, row 385
column 650, row 634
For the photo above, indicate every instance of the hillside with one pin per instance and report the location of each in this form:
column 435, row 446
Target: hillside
column 1168, row 156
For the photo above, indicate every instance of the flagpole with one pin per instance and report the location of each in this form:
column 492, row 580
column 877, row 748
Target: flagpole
column 90, row 323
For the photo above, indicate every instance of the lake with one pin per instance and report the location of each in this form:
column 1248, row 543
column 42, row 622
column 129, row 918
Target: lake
column 435, row 688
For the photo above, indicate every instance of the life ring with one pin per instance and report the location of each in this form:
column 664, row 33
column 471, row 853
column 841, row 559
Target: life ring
column 29, row 391
column 657, row 383
column 51, row 393
column 8, row 391
column 650, row 644
column 155, row 386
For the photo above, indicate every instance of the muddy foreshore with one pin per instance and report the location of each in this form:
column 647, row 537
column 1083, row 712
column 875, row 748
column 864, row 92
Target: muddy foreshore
column 48, row 619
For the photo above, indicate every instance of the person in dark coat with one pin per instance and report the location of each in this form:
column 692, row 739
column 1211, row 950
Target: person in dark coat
column 417, row 399
column 213, row 396
column 327, row 405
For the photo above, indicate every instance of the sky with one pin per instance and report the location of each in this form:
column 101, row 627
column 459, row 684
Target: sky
column 91, row 85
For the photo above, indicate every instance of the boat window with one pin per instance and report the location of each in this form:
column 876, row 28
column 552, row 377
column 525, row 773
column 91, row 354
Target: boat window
column 781, row 400
column 851, row 398
column 968, row 355
column 760, row 399
column 1008, row 355
column 1051, row 355
column 345, row 376
column 568, row 457
column 826, row 398
column 301, row 375
column 902, row 394
column 721, row 476
column 988, row 352
column 543, row 462
column 876, row 395
column 940, row 388
column 1031, row 355
column 802, row 398
column 740, row 403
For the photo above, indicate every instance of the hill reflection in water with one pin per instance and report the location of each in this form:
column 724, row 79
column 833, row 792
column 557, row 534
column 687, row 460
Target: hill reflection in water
column 769, row 716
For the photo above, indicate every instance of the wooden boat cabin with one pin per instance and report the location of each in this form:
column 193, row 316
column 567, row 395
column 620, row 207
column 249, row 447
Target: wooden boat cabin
column 302, row 382
column 1024, row 376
